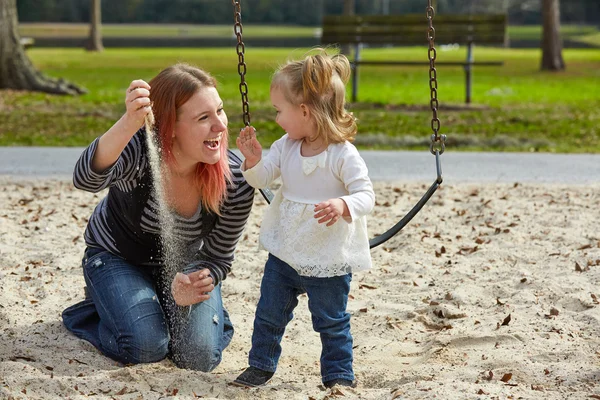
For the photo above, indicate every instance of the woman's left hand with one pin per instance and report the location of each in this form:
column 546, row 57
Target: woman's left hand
column 330, row 211
column 192, row 288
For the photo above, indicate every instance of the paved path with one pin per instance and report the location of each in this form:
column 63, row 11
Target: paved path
column 57, row 162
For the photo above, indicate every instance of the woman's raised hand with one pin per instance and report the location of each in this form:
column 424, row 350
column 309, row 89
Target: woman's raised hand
column 249, row 146
column 137, row 101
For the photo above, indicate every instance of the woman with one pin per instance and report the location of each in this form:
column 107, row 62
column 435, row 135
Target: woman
column 136, row 309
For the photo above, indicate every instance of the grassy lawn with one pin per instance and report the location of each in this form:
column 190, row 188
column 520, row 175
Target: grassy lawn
column 581, row 33
column 163, row 30
column 516, row 107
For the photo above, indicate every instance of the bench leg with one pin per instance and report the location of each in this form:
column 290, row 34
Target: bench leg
column 355, row 72
column 354, row 82
column 468, row 72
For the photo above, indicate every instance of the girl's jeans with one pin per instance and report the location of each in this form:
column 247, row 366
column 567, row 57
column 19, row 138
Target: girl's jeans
column 327, row 300
column 129, row 318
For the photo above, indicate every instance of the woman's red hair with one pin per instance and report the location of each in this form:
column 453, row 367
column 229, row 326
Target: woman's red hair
column 170, row 89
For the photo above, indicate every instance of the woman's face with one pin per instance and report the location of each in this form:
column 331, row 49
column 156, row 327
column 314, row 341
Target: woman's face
column 200, row 127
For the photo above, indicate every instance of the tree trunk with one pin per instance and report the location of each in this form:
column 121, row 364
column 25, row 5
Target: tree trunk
column 551, row 41
column 16, row 70
column 348, row 10
column 94, row 42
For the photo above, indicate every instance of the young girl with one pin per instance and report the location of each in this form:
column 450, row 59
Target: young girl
column 315, row 228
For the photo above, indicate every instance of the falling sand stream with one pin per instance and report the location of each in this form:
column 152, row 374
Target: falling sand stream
column 173, row 250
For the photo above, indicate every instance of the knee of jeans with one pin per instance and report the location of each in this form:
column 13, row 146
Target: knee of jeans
column 332, row 327
column 204, row 360
column 147, row 349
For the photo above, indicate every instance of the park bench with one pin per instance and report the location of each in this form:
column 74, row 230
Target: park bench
column 411, row 30
column 27, row 42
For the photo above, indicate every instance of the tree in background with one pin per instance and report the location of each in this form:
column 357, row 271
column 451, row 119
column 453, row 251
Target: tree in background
column 552, row 58
column 16, row 70
column 94, row 42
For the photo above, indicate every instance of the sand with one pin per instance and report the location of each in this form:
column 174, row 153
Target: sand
column 491, row 292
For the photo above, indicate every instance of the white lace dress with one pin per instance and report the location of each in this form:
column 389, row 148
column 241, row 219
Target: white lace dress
column 289, row 230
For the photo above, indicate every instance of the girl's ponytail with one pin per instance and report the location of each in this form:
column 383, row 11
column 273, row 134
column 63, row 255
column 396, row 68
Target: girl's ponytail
column 317, row 72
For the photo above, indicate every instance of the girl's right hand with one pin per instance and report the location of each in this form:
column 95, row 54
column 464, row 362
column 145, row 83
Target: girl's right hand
column 137, row 102
column 249, row 146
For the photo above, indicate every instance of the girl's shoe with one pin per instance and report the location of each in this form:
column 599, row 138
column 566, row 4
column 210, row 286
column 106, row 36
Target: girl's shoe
column 253, row 377
column 341, row 382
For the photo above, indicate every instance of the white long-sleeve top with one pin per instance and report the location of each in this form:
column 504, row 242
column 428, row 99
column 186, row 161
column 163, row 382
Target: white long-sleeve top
column 289, row 230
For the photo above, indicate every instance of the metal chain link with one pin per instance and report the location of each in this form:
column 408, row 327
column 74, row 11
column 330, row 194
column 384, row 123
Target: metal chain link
column 438, row 142
column 237, row 29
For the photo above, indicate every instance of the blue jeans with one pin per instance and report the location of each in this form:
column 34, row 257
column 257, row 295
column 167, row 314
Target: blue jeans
column 327, row 299
column 129, row 318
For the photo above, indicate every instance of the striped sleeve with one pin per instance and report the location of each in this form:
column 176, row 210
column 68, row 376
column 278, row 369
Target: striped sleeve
column 219, row 245
column 122, row 173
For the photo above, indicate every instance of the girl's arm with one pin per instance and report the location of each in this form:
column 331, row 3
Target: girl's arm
column 352, row 171
column 355, row 175
column 267, row 169
column 249, row 146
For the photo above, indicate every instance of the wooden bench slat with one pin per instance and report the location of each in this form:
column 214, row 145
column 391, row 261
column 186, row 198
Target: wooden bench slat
column 447, row 63
column 486, row 19
column 417, row 35
column 402, row 29
column 375, row 30
column 413, row 40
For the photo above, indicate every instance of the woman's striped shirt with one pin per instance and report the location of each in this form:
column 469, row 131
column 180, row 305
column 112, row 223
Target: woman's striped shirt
column 126, row 221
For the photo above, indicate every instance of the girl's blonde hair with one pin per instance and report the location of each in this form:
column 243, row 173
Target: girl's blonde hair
column 171, row 89
column 319, row 82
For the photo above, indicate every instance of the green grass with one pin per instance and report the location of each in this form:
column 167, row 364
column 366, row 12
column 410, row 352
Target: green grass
column 578, row 33
column 581, row 33
column 516, row 107
column 163, row 30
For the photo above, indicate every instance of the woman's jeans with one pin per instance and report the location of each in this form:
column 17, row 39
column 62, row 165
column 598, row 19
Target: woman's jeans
column 131, row 317
column 327, row 299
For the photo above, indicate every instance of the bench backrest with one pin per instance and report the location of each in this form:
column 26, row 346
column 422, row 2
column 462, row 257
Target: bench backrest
column 411, row 29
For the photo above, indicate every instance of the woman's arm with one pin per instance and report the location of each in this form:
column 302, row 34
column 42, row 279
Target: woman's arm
column 111, row 144
column 217, row 253
column 116, row 155
column 128, row 167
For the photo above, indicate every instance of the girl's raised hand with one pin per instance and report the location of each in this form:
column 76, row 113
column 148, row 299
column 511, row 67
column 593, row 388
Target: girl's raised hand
column 137, row 101
column 249, row 146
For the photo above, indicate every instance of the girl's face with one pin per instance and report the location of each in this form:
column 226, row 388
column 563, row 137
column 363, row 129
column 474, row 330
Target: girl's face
column 293, row 119
column 199, row 130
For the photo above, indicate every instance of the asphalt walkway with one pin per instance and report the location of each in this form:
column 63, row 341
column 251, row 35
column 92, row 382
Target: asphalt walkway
column 413, row 166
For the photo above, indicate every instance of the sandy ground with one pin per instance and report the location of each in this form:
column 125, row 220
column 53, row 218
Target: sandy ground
column 492, row 292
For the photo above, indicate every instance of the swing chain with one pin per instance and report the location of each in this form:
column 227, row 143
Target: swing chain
column 237, row 30
column 438, row 144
